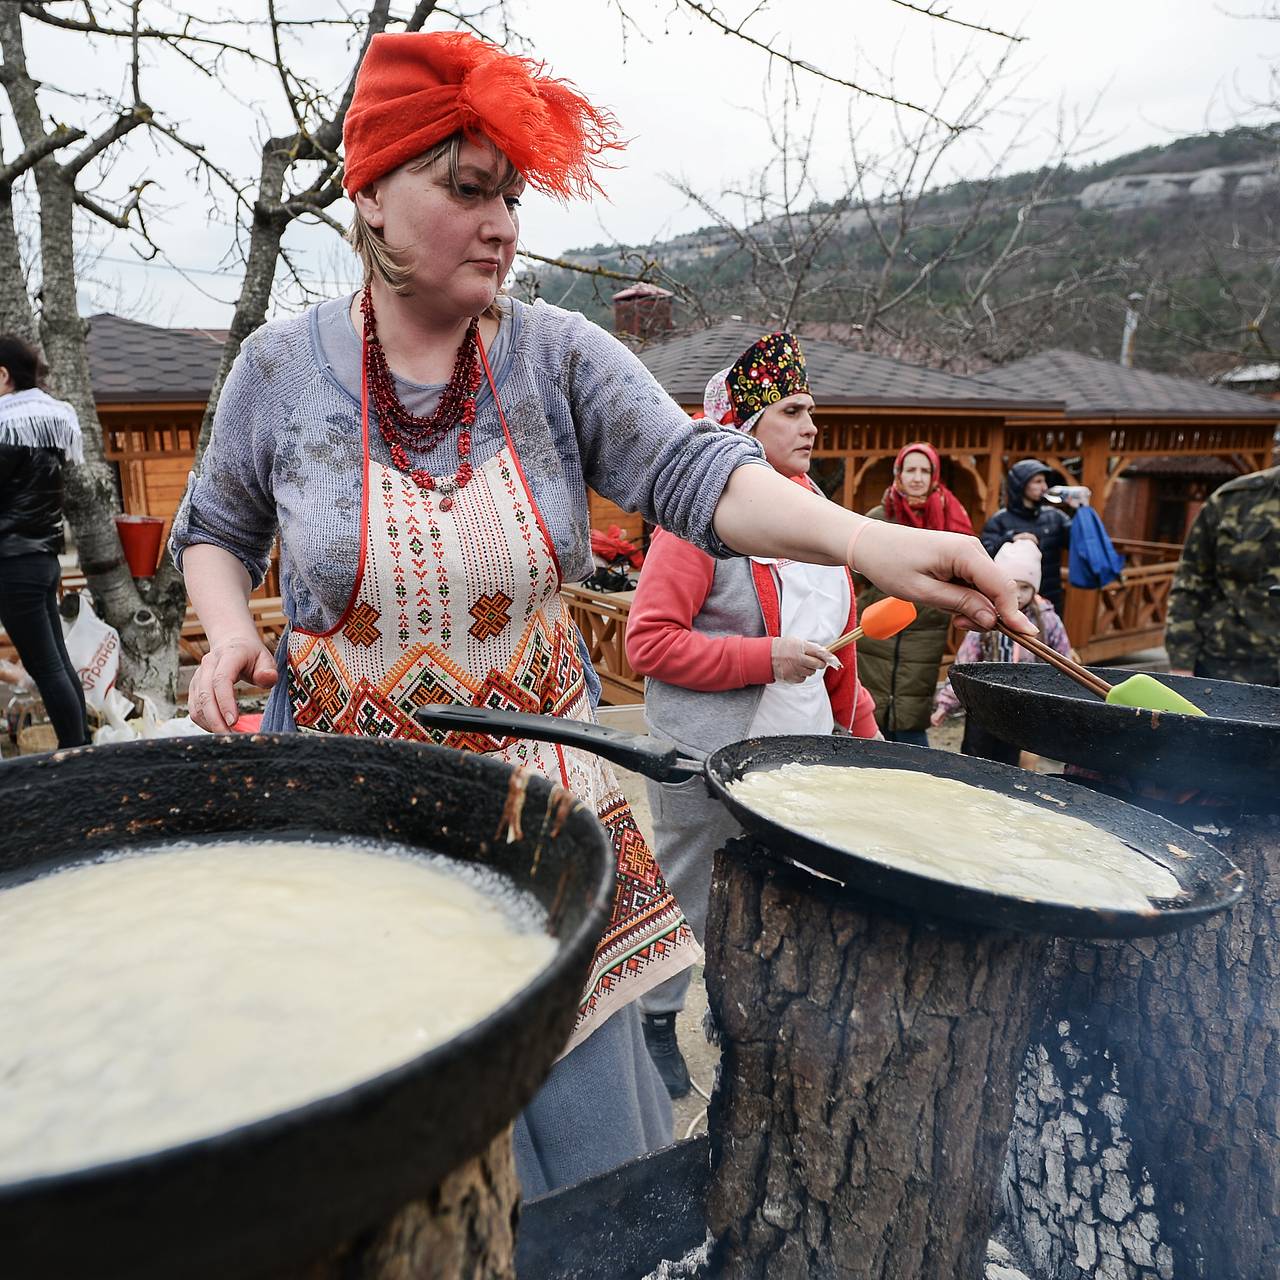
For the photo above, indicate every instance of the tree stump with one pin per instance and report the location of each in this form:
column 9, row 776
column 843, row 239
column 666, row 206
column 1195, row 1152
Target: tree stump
column 1146, row 1143
column 869, row 1061
column 465, row 1229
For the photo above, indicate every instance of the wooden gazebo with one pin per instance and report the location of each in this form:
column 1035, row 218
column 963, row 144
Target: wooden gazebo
column 868, row 407
column 151, row 386
column 1089, row 419
column 1118, row 426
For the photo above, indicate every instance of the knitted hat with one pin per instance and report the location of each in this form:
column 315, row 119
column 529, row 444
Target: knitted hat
column 415, row 89
column 1021, row 560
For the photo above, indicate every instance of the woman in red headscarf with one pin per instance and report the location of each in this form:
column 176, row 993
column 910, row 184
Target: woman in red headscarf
column 902, row 673
column 422, row 449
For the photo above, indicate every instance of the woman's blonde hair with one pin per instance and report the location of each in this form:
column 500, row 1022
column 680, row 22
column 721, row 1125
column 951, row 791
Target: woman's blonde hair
column 386, row 262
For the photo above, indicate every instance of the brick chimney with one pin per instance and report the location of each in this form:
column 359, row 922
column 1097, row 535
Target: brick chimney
column 643, row 311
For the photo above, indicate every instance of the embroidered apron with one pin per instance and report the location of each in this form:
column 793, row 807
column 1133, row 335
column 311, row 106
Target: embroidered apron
column 462, row 605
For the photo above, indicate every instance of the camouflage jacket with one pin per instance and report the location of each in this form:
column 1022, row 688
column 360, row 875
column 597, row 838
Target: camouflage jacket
column 1224, row 608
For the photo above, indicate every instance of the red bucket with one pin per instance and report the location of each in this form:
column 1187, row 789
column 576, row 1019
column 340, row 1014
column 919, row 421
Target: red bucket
column 141, row 537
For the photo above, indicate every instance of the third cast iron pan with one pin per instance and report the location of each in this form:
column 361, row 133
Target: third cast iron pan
column 1211, row 883
column 1232, row 751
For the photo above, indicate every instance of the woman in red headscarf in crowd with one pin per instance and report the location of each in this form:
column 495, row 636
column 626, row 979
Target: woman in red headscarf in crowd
column 422, row 449
column 901, row 673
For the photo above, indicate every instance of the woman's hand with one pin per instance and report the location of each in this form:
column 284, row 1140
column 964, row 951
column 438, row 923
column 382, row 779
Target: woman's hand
column 946, row 570
column 211, row 699
column 795, row 660
column 1026, row 537
column 937, row 718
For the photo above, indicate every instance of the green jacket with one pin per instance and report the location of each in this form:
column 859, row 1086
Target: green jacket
column 902, row 673
column 1224, row 607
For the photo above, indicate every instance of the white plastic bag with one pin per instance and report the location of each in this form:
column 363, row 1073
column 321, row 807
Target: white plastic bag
column 176, row 727
column 118, row 728
column 147, row 725
column 94, row 650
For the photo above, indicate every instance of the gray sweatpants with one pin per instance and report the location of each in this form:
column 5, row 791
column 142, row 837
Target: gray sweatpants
column 602, row 1105
column 688, row 827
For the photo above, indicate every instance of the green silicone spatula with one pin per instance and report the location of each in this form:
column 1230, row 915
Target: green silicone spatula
column 1148, row 693
column 1140, row 690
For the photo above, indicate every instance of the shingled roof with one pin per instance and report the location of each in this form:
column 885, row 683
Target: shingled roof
column 131, row 362
column 838, row 376
column 1098, row 388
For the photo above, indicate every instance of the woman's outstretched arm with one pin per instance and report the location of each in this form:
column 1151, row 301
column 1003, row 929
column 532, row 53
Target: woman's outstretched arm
column 761, row 513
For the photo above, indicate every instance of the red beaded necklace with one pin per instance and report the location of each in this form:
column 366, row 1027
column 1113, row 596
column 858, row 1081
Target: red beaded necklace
column 403, row 430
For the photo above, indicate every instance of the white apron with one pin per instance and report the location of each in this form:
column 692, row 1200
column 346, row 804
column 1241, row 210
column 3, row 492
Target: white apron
column 814, row 605
column 463, row 606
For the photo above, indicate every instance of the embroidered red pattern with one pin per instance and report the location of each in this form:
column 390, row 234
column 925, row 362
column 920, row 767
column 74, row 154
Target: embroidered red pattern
column 362, row 625
column 492, row 614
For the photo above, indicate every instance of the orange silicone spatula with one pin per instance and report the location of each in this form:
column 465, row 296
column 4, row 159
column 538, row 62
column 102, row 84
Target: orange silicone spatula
column 879, row 621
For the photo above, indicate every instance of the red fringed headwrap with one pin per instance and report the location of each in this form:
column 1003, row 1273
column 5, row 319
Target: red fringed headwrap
column 415, row 89
column 939, row 509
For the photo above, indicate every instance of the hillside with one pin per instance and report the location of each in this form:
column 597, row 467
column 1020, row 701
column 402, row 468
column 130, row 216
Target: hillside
column 1191, row 225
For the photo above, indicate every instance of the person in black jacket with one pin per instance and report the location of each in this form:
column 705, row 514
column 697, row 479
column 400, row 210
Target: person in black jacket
column 38, row 434
column 1027, row 515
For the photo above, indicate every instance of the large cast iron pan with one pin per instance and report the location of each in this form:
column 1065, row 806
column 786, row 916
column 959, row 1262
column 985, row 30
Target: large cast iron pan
column 282, row 1191
column 1233, row 751
column 1210, row 881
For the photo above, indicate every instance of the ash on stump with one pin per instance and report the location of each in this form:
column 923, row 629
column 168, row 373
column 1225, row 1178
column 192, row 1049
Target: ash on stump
column 1146, row 1144
column 868, row 1068
column 465, row 1229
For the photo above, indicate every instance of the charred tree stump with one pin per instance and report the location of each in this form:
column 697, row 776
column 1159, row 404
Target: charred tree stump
column 867, row 1079
column 1146, row 1143
column 465, row 1229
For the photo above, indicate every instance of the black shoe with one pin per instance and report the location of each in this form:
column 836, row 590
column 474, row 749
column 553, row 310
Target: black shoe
column 660, row 1040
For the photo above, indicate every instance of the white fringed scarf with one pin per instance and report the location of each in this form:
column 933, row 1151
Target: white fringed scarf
column 36, row 420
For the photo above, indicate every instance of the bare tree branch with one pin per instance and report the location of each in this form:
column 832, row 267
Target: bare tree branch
column 39, row 13
column 124, row 123
column 60, row 136
column 567, row 264
column 716, row 19
column 944, row 15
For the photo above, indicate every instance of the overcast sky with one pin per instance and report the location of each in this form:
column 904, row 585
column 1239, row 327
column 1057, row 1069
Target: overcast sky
column 691, row 102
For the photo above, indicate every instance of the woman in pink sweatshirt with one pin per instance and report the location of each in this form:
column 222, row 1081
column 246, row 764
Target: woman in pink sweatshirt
column 736, row 648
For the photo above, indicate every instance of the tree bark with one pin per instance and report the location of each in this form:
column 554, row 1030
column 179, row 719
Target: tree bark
column 1146, row 1144
column 868, row 1067
column 16, row 315
column 463, row 1230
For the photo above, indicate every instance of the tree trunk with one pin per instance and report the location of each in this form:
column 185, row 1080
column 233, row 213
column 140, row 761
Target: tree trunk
column 16, row 315
column 148, row 628
column 868, row 1067
column 463, row 1230
column 1146, row 1144
column 265, row 237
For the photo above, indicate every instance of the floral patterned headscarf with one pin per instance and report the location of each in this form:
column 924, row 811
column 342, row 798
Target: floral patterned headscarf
column 767, row 371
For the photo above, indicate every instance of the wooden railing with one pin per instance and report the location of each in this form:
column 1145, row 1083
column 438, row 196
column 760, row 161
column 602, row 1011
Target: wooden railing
column 1129, row 615
column 1137, row 553
column 602, row 618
